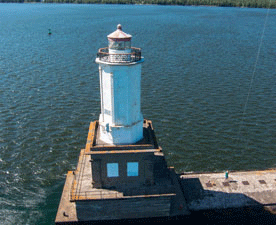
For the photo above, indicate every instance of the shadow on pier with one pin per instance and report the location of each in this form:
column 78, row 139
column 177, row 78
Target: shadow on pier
column 212, row 208
column 220, row 207
column 234, row 216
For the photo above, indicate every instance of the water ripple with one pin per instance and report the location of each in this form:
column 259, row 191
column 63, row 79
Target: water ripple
column 195, row 82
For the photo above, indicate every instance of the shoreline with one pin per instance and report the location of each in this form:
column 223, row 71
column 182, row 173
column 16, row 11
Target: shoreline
column 220, row 3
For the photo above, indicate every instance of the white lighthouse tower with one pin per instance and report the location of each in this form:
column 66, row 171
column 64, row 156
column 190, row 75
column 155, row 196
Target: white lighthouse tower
column 122, row 172
column 121, row 120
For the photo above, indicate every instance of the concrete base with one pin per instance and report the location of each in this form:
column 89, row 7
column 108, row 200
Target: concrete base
column 130, row 198
column 67, row 210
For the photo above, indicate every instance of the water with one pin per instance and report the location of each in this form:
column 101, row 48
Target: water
column 196, row 78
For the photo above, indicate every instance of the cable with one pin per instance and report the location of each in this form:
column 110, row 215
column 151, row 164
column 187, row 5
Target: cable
column 254, row 70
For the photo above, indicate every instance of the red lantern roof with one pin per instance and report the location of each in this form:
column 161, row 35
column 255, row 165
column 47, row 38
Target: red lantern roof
column 119, row 35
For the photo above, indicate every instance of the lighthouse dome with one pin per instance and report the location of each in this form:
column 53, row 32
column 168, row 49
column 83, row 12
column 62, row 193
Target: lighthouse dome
column 119, row 40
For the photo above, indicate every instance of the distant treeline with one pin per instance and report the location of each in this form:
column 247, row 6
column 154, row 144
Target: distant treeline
column 222, row 3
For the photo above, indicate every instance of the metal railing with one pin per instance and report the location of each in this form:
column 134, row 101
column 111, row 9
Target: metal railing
column 129, row 192
column 105, row 56
column 103, row 194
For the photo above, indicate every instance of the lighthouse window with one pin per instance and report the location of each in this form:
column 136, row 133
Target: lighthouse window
column 113, row 45
column 112, row 169
column 127, row 44
column 132, row 169
column 119, row 45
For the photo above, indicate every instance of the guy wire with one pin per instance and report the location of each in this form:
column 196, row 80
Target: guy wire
column 254, row 71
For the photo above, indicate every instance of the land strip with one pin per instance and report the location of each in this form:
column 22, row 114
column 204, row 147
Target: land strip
column 221, row 3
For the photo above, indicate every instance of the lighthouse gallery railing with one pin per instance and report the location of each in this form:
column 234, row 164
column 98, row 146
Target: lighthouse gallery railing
column 105, row 56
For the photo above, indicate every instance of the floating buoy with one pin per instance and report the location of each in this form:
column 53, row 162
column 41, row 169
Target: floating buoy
column 49, row 33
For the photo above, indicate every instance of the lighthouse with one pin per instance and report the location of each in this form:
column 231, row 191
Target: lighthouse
column 121, row 120
column 122, row 172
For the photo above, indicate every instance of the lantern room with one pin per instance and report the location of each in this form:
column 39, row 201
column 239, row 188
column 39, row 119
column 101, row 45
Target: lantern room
column 119, row 41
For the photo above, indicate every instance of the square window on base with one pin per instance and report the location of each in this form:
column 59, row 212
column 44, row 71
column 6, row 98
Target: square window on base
column 112, row 169
column 132, row 169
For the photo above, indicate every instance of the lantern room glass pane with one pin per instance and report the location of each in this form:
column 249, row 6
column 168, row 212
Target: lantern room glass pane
column 132, row 169
column 113, row 44
column 112, row 169
column 119, row 45
column 127, row 44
